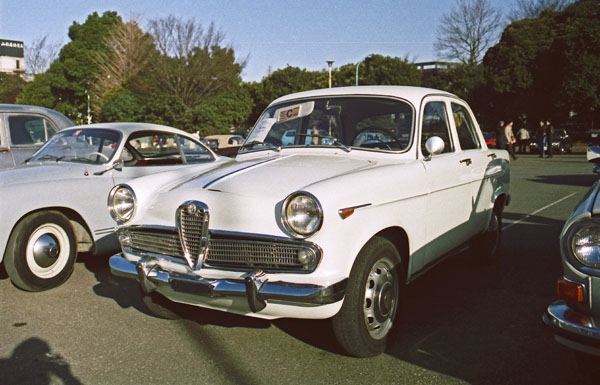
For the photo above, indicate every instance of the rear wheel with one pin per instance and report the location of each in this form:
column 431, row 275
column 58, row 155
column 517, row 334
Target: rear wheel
column 41, row 251
column 371, row 301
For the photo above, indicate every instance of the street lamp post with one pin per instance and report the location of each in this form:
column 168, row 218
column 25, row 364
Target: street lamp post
column 330, row 63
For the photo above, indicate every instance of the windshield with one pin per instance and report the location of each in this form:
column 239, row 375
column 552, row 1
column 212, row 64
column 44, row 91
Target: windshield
column 80, row 145
column 350, row 122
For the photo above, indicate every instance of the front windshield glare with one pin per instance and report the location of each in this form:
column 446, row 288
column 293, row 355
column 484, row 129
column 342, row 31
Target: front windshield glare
column 373, row 123
column 80, row 145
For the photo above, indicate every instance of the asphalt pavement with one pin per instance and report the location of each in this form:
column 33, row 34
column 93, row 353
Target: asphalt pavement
column 462, row 323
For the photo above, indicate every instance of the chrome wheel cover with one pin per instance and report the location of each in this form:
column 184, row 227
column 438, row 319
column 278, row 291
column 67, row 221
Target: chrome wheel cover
column 47, row 250
column 381, row 298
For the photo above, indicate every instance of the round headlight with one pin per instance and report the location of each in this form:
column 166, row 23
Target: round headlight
column 585, row 244
column 121, row 203
column 301, row 214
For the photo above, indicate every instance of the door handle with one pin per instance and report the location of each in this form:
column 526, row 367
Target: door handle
column 467, row 161
column 493, row 156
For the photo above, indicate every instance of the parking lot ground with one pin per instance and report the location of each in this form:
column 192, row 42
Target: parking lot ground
column 461, row 323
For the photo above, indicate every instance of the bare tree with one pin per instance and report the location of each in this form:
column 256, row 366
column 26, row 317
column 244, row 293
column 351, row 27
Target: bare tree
column 467, row 31
column 534, row 8
column 40, row 54
column 194, row 63
column 129, row 52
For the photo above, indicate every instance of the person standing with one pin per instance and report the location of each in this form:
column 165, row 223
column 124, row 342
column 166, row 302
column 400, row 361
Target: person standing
column 509, row 138
column 501, row 136
column 549, row 136
column 522, row 140
column 540, row 137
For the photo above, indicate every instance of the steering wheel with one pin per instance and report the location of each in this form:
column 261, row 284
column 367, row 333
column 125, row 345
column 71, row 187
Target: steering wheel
column 384, row 131
column 99, row 154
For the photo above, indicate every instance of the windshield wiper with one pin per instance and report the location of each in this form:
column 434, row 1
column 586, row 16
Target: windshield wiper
column 258, row 142
column 334, row 140
column 47, row 156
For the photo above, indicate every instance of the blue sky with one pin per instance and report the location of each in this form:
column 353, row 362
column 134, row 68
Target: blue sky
column 270, row 33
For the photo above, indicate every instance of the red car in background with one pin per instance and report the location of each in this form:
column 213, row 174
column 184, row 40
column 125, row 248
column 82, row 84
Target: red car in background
column 490, row 139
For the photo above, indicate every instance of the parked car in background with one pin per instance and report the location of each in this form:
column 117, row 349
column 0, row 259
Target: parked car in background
column 574, row 319
column 55, row 205
column 490, row 139
column 24, row 129
column 332, row 227
column 562, row 142
column 226, row 145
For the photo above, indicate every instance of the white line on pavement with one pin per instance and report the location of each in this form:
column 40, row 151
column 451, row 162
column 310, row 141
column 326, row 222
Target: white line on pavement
column 537, row 211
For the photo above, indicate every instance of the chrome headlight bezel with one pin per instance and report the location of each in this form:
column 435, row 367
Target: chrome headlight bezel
column 115, row 203
column 576, row 246
column 314, row 215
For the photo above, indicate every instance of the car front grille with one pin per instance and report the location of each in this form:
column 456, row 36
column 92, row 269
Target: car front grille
column 227, row 250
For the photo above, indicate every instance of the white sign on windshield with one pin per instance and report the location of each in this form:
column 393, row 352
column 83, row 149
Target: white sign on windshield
column 260, row 133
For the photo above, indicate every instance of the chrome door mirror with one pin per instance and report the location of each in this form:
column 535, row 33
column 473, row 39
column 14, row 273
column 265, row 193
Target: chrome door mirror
column 434, row 146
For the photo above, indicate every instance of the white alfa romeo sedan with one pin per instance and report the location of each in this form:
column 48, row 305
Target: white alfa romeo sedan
column 376, row 186
column 55, row 204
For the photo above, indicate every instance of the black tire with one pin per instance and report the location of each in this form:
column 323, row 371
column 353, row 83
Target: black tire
column 485, row 246
column 363, row 324
column 41, row 251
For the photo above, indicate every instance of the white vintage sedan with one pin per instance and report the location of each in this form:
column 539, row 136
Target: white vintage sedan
column 377, row 185
column 55, row 205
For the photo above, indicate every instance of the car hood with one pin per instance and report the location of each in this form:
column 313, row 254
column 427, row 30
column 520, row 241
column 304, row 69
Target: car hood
column 273, row 175
column 46, row 171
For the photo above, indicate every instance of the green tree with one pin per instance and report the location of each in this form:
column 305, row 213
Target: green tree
column 10, row 87
column 71, row 76
column 547, row 66
column 281, row 82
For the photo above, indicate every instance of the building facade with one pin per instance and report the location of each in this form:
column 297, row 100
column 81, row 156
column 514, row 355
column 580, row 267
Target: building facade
column 12, row 57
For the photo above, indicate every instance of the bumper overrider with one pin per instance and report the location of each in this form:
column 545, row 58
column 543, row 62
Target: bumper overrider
column 573, row 329
column 196, row 290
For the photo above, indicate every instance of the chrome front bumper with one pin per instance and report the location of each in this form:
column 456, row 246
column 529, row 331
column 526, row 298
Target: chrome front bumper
column 193, row 289
column 574, row 330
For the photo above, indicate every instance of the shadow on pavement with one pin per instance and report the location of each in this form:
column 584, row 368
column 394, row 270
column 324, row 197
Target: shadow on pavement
column 32, row 362
column 482, row 324
column 126, row 293
column 567, row 180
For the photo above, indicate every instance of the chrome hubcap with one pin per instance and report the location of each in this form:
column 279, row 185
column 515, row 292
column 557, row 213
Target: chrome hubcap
column 45, row 250
column 381, row 299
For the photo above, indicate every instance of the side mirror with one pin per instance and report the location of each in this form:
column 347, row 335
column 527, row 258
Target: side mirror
column 116, row 165
column 434, row 146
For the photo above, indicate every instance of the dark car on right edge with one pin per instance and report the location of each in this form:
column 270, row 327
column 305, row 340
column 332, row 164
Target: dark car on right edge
column 574, row 319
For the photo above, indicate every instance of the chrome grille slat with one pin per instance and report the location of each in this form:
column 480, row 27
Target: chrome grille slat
column 223, row 252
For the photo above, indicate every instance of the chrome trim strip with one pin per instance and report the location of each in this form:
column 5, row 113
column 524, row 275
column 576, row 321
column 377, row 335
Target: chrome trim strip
column 340, row 211
column 153, row 278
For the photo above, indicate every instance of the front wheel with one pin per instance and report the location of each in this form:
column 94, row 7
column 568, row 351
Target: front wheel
column 371, row 301
column 41, row 251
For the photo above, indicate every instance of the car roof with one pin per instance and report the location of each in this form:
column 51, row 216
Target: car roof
column 412, row 94
column 56, row 116
column 129, row 127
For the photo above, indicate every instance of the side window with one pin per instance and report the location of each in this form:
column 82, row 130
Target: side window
column 435, row 123
column 153, row 149
column 194, row 152
column 29, row 130
column 467, row 135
